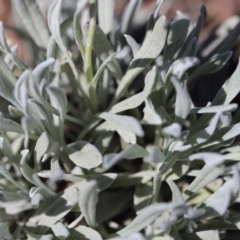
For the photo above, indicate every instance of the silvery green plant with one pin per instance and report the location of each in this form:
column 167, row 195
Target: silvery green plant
column 101, row 139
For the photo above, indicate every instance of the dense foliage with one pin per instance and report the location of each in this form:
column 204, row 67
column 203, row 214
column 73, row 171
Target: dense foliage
column 101, row 140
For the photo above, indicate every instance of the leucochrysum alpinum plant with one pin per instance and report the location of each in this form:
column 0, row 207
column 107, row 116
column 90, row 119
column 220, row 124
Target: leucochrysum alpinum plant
column 101, row 140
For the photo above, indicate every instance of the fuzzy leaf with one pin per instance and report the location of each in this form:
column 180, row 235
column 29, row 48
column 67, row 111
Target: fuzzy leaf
column 147, row 216
column 123, row 123
column 131, row 152
column 59, row 208
column 106, row 15
column 41, row 147
column 214, row 64
column 84, row 154
column 87, row 202
column 54, row 26
column 60, row 231
column 150, row 49
column 84, row 233
column 177, row 198
column 183, row 101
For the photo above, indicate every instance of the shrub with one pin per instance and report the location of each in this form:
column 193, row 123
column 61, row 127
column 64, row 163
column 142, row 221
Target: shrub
column 102, row 139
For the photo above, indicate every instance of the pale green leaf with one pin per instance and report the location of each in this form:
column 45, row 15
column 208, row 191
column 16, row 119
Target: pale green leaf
column 183, row 101
column 133, row 44
column 84, row 154
column 84, row 233
column 137, row 99
column 177, row 198
column 106, row 15
column 150, row 49
column 60, row 231
column 204, row 177
column 54, row 25
column 214, row 64
column 33, row 21
column 6, row 49
column 59, row 208
column 41, row 147
column 131, row 152
column 123, row 123
column 147, row 216
column 88, row 199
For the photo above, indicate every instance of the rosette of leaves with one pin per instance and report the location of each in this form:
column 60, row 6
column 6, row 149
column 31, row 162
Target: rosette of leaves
column 101, row 139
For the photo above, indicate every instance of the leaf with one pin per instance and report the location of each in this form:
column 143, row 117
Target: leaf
column 29, row 173
column 60, row 231
column 59, row 208
column 133, row 44
column 41, row 147
column 204, row 177
column 177, row 198
column 54, row 26
column 7, row 125
column 229, row 90
column 104, row 180
column 180, row 66
column 183, row 101
column 39, row 71
column 147, row 216
column 6, row 86
column 87, row 202
column 206, row 235
column 195, row 31
column 137, row 99
column 53, row 49
column 6, row 174
column 128, row 14
column 179, row 169
column 142, row 196
column 4, row 231
column 135, row 236
column 103, row 49
column 223, row 196
column 155, row 156
column 33, row 21
column 174, row 130
column 40, row 113
column 103, row 141
column 76, row 27
column 124, row 123
column 6, row 49
column 215, row 109
column 106, row 15
column 222, row 224
column 96, row 77
column 58, row 100
column 226, row 36
column 84, row 233
column 150, row 49
column 20, row 91
column 210, row 158
column 151, row 117
column 214, row 64
column 84, row 154
column 191, row 49
column 131, row 152
column 177, row 33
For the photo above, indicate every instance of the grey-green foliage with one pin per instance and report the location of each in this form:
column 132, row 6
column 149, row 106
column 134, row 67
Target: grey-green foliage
column 102, row 121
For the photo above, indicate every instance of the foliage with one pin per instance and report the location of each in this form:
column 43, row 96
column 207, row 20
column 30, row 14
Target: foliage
column 101, row 139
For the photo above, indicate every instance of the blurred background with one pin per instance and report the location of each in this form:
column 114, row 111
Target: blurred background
column 205, row 88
